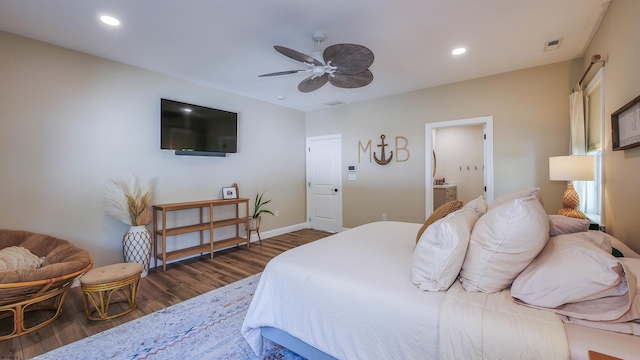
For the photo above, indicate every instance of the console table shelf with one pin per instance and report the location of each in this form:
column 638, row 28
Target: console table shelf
column 161, row 232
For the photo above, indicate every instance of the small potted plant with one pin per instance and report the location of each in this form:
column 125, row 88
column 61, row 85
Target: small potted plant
column 258, row 210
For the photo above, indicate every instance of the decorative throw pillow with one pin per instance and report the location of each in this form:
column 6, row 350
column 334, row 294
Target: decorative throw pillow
column 478, row 204
column 442, row 211
column 503, row 243
column 438, row 257
column 517, row 194
column 560, row 225
column 18, row 258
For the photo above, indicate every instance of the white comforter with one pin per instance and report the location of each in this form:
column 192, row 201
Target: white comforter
column 492, row 326
column 349, row 295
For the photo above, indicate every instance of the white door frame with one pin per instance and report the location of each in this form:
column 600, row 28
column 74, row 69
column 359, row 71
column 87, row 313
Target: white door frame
column 339, row 171
column 487, row 122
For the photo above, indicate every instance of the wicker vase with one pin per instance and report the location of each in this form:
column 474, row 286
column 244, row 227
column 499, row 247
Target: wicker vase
column 136, row 247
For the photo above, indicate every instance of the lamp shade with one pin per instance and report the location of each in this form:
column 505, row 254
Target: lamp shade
column 572, row 167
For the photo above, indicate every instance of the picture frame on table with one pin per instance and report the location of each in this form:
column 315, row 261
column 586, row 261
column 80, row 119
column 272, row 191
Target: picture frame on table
column 625, row 126
column 229, row 193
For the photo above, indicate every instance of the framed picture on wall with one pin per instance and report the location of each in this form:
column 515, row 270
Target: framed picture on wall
column 229, row 193
column 625, row 126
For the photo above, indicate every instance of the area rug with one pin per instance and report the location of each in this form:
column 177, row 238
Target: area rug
column 204, row 327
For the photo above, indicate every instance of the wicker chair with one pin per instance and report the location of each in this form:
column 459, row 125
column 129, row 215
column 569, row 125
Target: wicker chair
column 25, row 295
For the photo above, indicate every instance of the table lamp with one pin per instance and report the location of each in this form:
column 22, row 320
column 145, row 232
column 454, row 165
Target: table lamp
column 571, row 168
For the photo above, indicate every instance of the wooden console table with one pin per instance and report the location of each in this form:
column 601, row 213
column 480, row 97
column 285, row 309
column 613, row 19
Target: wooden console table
column 160, row 230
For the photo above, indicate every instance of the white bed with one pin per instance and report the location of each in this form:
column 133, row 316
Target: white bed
column 350, row 296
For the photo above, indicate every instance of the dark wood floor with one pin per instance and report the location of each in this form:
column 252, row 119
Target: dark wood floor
column 182, row 280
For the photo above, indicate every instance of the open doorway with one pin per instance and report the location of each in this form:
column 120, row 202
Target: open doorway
column 465, row 171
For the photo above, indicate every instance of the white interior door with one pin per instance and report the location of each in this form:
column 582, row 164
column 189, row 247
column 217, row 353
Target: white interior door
column 324, row 182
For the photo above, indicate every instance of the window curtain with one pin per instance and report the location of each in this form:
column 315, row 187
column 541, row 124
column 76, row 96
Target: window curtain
column 578, row 138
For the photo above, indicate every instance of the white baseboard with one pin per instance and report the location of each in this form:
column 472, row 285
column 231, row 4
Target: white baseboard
column 276, row 232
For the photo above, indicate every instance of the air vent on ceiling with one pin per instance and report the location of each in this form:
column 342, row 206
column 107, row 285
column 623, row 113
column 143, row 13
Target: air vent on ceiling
column 552, row 44
column 334, row 103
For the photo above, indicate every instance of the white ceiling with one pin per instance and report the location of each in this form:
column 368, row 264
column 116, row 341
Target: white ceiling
column 226, row 44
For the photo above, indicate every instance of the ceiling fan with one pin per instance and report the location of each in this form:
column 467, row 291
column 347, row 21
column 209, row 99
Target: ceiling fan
column 342, row 65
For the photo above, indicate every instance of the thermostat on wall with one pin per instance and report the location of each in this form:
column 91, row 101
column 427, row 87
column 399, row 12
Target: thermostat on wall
column 351, row 168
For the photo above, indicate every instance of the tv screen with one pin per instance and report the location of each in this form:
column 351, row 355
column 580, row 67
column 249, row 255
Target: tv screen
column 187, row 127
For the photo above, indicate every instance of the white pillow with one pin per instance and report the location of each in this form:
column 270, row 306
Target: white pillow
column 560, row 225
column 633, row 314
column 439, row 254
column 503, row 243
column 571, row 270
column 598, row 238
column 18, row 258
column 478, row 204
column 517, row 194
column 629, row 322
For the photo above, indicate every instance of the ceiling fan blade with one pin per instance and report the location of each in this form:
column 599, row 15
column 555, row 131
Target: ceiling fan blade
column 349, row 58
column 312, row 84
column 296, row 55
column 282, row 73
column 350, row 81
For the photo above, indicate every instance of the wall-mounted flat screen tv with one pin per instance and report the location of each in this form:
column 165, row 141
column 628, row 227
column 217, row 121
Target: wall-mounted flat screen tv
column 195, row 129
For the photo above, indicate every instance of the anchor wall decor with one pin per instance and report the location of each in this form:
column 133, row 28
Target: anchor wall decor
column 383, row 160
column 401, row 147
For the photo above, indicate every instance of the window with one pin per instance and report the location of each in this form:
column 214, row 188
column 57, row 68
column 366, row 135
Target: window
column 591, row 204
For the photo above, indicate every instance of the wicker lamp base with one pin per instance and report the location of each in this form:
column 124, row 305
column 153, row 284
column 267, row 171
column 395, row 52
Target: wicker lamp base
column 570, row 202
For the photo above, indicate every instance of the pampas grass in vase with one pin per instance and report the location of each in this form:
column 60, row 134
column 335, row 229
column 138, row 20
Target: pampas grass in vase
column 130, row 202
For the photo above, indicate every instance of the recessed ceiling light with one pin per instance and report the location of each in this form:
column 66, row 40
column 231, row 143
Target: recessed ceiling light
column 186, row 110
column 334, row 103
column 280, row 97
column 109, row 20
column 459, row 51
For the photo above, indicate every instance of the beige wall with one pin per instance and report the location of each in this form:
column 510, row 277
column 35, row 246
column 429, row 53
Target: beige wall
column 618, row 41
column 530, row 111
column 70, row 121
